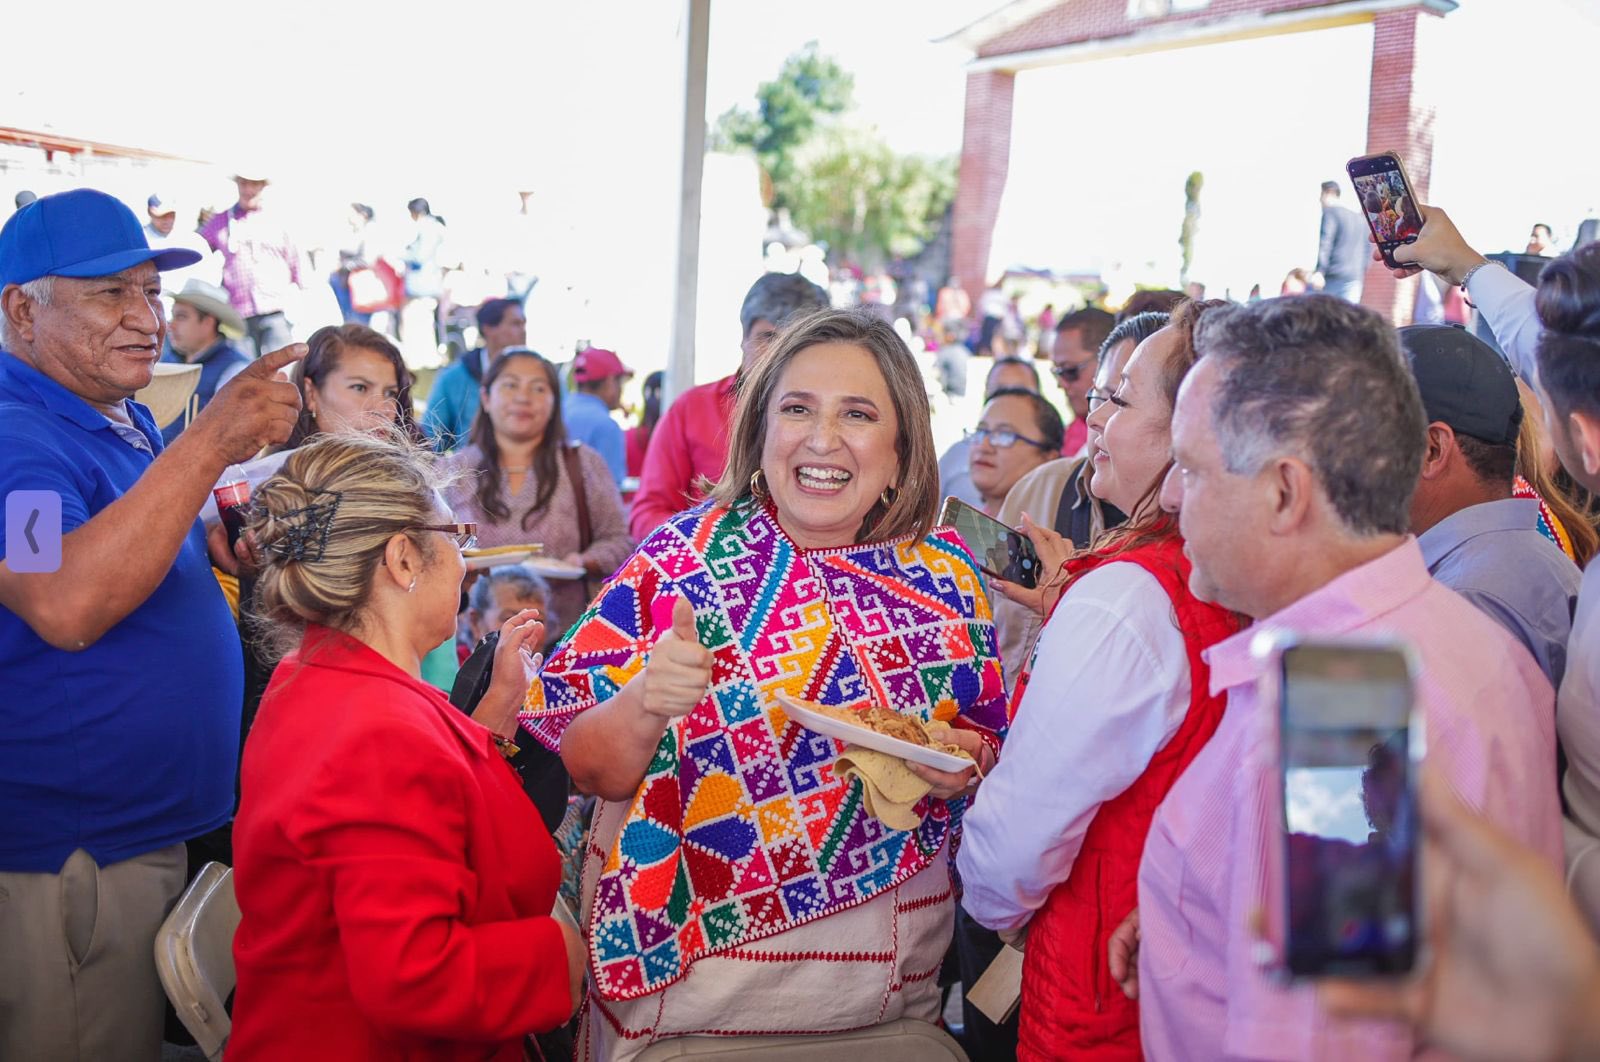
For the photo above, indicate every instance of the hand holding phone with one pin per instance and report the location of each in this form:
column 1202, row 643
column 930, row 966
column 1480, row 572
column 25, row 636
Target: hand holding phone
column 999, row 550
column 1439, row 248
column 1387, row 201
column 1349, row 744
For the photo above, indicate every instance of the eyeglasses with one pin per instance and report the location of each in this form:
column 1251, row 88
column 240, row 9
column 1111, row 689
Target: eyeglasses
column 466, row 535
column 1068, row 373
column 1097, row 397
column 1004, row 438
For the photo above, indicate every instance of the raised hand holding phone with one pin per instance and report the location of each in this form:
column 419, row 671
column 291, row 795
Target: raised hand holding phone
column 1387, row 201
column 1439, row 248
column 679, row 669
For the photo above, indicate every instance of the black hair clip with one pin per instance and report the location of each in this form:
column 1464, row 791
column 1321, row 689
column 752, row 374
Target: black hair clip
column 305, row 534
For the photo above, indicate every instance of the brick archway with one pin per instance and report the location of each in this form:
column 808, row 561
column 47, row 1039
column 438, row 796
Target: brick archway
column 1028, row 34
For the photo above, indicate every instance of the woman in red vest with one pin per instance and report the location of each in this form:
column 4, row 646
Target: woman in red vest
column 1114, row 705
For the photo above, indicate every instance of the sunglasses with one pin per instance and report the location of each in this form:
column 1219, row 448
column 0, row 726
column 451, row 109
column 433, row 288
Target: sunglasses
column 465, row 535
column 1068, row 373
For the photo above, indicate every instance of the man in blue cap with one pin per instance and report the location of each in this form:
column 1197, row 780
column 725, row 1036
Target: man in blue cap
column 119, row 661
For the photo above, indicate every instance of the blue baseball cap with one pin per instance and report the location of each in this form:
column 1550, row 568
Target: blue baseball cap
column 81, row 233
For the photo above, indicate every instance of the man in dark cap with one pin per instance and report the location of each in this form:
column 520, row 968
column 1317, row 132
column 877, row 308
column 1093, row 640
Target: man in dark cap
column 1476, row 538
column 120, row 667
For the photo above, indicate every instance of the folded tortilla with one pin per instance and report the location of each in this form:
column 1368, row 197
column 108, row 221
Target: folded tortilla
column 890, row 789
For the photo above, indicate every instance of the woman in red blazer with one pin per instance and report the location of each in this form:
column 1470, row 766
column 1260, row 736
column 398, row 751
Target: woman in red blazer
column 395, row 885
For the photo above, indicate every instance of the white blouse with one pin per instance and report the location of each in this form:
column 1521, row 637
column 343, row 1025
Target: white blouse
column 1108, row 690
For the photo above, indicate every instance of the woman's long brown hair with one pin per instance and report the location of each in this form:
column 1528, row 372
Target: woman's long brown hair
column 326, row 347
column 546, row 469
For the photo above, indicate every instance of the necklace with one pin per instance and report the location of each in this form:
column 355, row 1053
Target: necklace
column 516, row 471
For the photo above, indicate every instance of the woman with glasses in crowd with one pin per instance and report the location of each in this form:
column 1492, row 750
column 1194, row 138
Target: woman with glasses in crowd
column 1115, row 704
column 1018, row 431
column 735, row 883
column 395, row 885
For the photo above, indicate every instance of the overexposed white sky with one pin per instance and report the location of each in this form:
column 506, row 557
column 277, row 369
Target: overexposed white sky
column 1267, row 120
column 466, row 103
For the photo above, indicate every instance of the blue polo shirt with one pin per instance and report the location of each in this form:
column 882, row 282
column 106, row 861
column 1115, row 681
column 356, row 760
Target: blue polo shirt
column 131, row 744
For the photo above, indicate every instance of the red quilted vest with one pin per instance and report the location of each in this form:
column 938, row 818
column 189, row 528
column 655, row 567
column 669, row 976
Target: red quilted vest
column 1071, row 1009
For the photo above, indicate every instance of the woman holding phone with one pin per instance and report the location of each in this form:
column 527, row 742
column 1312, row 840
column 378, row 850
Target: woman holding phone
column 1114, row 705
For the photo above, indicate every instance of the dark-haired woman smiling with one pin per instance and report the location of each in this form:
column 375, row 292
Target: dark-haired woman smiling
column 531, row 484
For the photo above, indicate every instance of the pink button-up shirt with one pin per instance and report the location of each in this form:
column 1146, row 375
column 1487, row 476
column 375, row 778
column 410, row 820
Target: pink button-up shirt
column 1211, row 859
column 260, row 263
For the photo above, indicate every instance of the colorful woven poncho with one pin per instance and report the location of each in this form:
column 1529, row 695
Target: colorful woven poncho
column 739, row 829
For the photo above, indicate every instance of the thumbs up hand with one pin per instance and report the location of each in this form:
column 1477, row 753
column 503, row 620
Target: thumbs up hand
column 679, row 669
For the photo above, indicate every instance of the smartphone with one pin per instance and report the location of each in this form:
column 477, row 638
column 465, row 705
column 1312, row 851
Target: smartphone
column 1350, row 744
column 1001, row 551
column 1386, row 198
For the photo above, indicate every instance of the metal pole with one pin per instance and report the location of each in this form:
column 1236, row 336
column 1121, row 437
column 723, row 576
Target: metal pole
column 697, row 42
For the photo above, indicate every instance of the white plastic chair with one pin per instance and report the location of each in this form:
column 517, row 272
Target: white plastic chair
column 194, row 955
column 906, row 1040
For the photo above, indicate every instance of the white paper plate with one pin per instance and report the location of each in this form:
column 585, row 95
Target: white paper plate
column 551, row 568
column 850, row 734
column 496, row 560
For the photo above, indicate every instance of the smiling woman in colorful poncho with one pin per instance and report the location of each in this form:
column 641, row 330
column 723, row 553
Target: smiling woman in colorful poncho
column 732, row 884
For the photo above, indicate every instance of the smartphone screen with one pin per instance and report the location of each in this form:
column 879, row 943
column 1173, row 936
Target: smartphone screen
column 1385, row 197
column 1000, row 551
column 1349, row 800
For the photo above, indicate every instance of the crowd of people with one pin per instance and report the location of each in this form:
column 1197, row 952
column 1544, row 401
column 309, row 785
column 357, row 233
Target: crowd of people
column 370, row 734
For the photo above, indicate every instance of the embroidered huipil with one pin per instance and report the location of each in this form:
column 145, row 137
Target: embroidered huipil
column 739, row 829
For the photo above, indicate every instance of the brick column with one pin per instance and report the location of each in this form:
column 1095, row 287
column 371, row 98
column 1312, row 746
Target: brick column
column 985, row 159
column 1400, row 116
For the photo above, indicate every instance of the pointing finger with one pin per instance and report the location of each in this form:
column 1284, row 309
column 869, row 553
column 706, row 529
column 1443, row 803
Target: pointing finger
column 268, row 364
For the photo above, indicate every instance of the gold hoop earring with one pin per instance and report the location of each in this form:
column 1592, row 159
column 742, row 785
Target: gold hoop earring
column 758, row 486
column 887, row 497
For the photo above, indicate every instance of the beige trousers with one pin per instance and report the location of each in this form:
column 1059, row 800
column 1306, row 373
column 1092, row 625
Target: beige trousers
column 78, row 975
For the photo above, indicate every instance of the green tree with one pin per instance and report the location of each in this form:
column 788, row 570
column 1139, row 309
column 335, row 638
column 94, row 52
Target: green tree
column 849, row 190
column 1191, row 223
column 808, row 89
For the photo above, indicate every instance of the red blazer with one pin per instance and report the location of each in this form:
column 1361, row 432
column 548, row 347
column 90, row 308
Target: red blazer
column 394, row 882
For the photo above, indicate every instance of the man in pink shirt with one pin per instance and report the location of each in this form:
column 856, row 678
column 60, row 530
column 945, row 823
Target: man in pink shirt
column 1297, row 441
column 262, row 268
column 690, row 444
